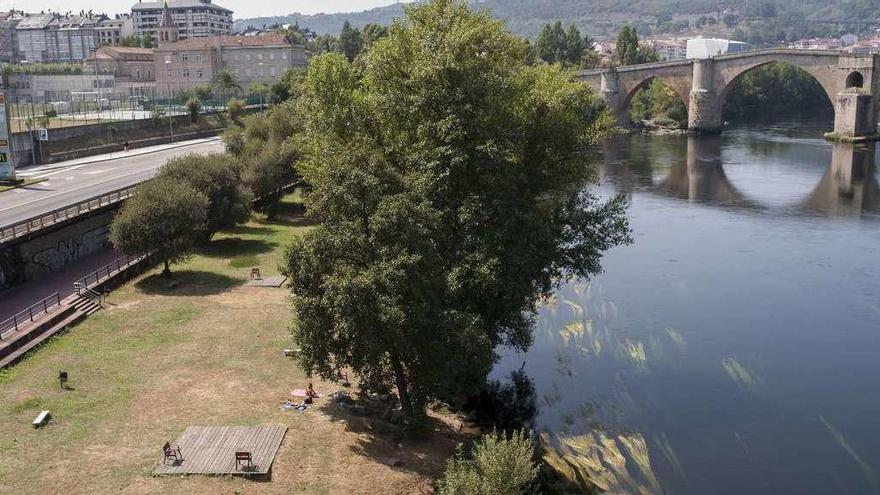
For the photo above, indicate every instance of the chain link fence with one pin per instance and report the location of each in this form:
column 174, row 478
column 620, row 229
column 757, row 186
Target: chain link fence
column 27, row 113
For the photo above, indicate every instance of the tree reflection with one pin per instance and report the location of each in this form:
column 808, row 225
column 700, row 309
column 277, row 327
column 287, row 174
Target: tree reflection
column 507, row 406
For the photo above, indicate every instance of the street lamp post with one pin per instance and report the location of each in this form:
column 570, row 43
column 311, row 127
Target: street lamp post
column 170, row 124
column 259, row 85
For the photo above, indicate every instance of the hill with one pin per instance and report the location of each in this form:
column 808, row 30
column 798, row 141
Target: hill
column 602, row 18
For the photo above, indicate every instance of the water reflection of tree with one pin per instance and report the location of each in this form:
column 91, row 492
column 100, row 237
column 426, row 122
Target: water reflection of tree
column 508, row 406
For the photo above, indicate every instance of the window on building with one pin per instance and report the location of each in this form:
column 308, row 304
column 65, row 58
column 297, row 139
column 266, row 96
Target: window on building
column 200, row 74
column 185, row 73
column 168, row 58
column 184, row 57
column 198, row 57
column 259, row 56
column 272, row 56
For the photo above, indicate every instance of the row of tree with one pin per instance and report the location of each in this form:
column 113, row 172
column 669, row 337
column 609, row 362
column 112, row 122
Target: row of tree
column 194, row 196
column 568, row 47
column 350, row 42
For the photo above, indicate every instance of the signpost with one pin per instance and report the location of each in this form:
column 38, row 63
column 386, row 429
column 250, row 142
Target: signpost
column 7, row 159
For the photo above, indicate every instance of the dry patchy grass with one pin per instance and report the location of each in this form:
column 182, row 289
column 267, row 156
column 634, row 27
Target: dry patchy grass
column 207, row 352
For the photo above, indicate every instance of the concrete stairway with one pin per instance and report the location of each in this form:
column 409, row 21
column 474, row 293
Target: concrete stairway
column 16, row 344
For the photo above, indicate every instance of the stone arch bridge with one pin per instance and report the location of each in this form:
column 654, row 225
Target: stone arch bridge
column 851, row 81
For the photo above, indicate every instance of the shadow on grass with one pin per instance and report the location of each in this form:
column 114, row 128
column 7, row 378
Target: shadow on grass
column 187, row 283
column 422, row 452
column 248, row 230
column 231, row 247
column 288, row 213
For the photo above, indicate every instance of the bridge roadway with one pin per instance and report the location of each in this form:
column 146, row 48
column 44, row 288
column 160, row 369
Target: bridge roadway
column 76, row 180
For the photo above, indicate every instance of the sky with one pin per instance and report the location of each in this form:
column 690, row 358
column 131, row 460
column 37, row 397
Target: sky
column 242, row 8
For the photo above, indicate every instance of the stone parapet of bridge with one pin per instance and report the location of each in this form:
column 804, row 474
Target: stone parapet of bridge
column 851, row 82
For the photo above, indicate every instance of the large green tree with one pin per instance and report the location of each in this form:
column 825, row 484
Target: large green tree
column 164, row 218
column 218, row 177
column 448, row 182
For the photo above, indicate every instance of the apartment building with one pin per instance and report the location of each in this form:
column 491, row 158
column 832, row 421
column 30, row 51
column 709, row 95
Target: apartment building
column 111, row 32
column 193, row 18
column 8, row 41
column 56, row 38
column 196, row 61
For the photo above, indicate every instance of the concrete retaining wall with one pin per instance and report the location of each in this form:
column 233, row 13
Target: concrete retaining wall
column 55, row 250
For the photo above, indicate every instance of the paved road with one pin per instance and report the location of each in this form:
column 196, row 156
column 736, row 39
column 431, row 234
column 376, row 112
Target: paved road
column 76, row 180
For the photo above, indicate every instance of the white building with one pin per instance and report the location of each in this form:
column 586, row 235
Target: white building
column 710, row 47
column 193, row 18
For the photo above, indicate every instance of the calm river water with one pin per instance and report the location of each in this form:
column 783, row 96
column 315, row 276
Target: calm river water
column 735, row 346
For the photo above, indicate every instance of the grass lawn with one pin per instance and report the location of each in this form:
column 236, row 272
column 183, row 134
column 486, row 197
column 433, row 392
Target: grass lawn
column 206, row 352
column 5, row 186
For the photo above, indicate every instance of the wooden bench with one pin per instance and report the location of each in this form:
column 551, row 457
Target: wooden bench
column 171, row 452
column 42, row 419
column 244, row 458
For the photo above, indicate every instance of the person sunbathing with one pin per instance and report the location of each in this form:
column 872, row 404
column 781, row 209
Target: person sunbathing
column 310, row 394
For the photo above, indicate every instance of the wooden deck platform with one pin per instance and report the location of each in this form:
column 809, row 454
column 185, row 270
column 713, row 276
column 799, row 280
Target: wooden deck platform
column 211, row 450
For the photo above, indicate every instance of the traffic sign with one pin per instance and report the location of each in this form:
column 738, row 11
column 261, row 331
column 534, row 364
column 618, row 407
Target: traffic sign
column 43, row 135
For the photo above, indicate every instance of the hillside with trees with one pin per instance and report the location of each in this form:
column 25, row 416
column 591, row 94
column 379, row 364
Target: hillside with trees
column 757, row 21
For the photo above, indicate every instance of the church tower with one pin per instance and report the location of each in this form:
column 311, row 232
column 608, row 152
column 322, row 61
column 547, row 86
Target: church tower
column 167, row 32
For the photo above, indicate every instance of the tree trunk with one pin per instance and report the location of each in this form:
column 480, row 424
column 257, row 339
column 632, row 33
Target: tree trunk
column 167, row 271
column 402, row 388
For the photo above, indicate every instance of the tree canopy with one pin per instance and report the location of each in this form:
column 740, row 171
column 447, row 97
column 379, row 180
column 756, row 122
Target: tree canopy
column 448, row 182
column 218, row 177
column 165, row 218
column 628, row 50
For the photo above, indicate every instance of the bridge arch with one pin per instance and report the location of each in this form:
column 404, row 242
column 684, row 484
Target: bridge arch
column 682, row 92
column 679, row 88
column 825, row 80
column 855, row 79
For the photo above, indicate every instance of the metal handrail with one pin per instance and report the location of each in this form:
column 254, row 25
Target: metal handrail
column 105, row 272
column 28, row 314
column 93, row 295
column 40, row 222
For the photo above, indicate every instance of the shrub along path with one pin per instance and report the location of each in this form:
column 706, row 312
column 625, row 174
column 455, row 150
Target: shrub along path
column 206, row 352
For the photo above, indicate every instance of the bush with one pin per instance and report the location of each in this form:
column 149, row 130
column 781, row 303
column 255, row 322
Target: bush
column 235, row 106
column 164, row 217
column 193, row 107
column 218, row 177
column 51, row 113
column 497, row 466
column 233, row 139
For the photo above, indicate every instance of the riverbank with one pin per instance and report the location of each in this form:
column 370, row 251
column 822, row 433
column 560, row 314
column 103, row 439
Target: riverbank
column 207, row 351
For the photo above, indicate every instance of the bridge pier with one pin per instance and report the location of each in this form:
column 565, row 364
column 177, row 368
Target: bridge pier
column 609, row 90
column 704, row 106
column 854, row 117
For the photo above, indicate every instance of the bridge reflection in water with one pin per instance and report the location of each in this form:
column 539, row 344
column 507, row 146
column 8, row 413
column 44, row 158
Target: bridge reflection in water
column 692, row 168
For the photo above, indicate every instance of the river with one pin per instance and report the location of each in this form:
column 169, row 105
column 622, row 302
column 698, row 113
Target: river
column 734, row 347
